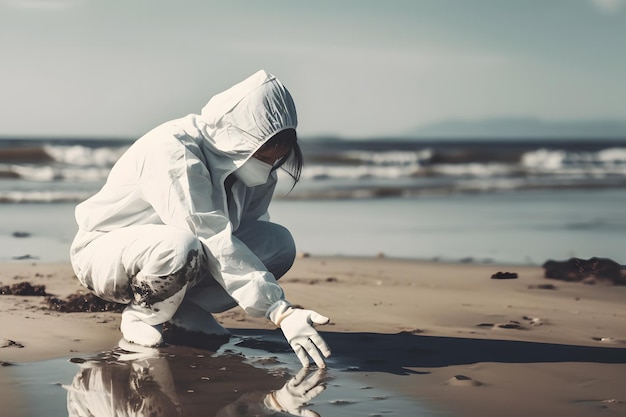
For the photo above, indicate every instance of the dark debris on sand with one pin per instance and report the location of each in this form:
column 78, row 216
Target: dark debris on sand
column 23, row 288
column 542, row 287
column 77, row 302
column 81, row 302
column 504, row 275
column 587, row 271
column 11, row 343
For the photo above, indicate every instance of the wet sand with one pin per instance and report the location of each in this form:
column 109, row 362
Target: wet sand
column 445, row 335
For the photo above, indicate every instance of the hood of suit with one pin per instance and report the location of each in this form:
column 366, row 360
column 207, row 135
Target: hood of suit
column 239, row 120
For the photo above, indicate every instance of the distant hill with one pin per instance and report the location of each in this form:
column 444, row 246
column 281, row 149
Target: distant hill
column 523, row 128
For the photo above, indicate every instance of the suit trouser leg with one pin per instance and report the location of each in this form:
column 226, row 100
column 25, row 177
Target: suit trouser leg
column 149, row 267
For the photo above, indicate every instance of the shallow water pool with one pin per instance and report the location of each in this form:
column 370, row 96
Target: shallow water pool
column 247, row 376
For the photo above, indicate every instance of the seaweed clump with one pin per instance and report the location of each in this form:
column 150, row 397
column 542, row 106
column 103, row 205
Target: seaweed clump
column 23, row 288
column 83, row 302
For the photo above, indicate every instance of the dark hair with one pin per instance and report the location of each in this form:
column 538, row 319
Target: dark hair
column 292, row 163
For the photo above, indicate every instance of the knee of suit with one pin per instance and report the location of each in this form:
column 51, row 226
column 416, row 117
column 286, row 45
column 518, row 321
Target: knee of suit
column 176, row 262
column 179, row 251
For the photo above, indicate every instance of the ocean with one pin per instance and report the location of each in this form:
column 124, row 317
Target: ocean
column 484, row 201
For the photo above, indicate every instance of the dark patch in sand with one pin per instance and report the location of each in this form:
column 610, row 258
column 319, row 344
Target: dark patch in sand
column 542, row 287
column 77, row 302
column 11, row 343
column 588, row 271
column 504, row 275
column 509, row 325
column 23, row 288
column 463, row 381
column 80, row 302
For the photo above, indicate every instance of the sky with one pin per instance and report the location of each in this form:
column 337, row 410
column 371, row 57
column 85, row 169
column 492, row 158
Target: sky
column 356, row 68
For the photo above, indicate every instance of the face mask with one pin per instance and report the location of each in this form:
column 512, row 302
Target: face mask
column 253, row 172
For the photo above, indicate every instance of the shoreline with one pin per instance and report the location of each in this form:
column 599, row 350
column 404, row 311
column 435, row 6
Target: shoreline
column 410, row 326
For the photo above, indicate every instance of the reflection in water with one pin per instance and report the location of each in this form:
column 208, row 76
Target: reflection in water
column 291, row 398
column 183, row 382
column 137, row 388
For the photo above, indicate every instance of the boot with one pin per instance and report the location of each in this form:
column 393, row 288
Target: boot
column 143, row 325
column 135, row 330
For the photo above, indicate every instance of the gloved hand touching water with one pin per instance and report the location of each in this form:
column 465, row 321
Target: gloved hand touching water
column 297, row 326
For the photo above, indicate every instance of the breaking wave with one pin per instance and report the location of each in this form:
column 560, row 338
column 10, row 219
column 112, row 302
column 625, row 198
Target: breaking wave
column 71, row 170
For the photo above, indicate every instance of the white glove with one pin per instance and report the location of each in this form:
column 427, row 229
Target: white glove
column 299, row 390
column 297, row 325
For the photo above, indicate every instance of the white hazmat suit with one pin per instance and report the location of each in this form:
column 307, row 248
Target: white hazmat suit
column 167, row 227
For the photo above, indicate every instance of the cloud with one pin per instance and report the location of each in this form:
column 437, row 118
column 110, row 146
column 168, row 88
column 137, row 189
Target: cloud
column 609, row 6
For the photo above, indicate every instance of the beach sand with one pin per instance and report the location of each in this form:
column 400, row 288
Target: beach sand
column 444, row 334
